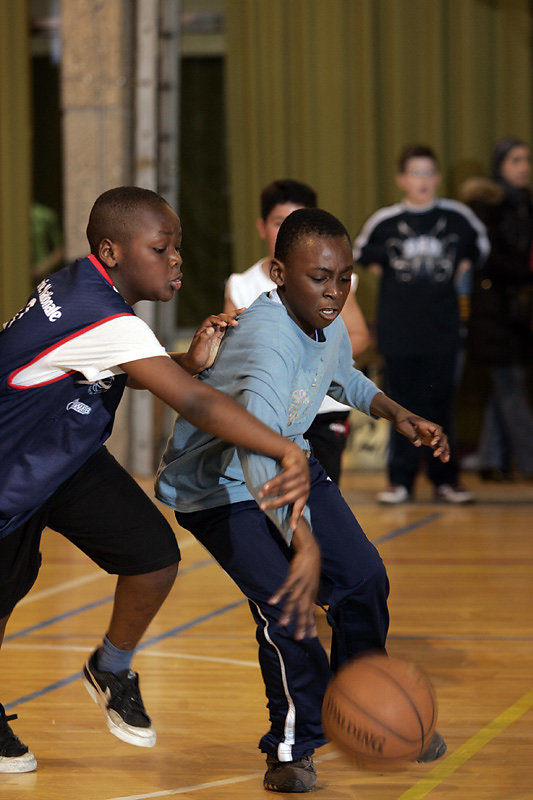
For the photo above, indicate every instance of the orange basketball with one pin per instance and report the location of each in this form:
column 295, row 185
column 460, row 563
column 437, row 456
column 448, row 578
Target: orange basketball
column 381, row 712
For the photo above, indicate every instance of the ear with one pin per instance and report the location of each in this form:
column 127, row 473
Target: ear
column 277, row 272
column 260, row 225
column 107, row 253
column 400, row 181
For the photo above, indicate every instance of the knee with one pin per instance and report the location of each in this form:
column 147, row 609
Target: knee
column 372, row 586
column 151, row 584
column 379, row 579
column 162, row 580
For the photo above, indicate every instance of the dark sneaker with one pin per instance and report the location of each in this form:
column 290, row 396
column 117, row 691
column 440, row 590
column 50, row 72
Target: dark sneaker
column 14, row 756
column 119, row 698
column 435, row 749
column 290, row 776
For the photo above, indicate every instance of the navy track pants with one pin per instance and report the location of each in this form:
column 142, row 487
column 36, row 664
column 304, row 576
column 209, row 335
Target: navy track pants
column 354, row 588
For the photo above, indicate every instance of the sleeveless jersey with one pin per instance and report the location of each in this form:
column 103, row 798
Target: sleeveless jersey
column 49, row 430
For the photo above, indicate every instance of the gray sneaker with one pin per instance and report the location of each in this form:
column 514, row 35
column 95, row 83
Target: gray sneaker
column 393, row 495
column 435, row 749
column 456, row 494
column 290, row 776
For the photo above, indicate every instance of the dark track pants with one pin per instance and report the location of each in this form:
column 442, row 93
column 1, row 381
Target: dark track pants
column 426, row 386
column 354, row 586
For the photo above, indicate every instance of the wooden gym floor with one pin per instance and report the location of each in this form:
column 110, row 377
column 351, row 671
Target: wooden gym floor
column 461, row 607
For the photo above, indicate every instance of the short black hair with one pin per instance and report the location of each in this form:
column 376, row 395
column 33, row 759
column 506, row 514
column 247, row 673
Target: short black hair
column 306, row 222
column 416, row 151
column 113, row 213
column 286, row 190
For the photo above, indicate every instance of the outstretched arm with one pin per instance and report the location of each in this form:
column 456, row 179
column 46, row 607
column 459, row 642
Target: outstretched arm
column 204, row 345
column 218, row 414
column 301, row 585
column 417, row 429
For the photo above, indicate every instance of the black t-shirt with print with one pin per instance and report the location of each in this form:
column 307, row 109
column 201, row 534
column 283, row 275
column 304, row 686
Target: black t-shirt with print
column 419, row 252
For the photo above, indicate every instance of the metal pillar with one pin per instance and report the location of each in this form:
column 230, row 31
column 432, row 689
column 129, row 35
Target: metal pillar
column 155, row 167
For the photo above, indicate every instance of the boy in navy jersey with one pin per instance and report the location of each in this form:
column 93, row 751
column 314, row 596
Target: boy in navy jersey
column 290, row 349
column 65, row 360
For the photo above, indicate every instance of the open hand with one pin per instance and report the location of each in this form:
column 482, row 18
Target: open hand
column 301, row 585
column 206, row 340
column 420, row 431
column 290, row 486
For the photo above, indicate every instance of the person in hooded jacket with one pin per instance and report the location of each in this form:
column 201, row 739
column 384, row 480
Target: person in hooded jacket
column 501, row 319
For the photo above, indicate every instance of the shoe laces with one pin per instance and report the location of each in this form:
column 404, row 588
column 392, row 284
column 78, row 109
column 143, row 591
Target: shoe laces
column 6, row 734
column 126, row 693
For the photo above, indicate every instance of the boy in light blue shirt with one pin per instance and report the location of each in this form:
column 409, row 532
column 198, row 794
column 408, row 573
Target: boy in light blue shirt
column 291, row 349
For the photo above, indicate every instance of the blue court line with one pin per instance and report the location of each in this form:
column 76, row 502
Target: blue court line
column 73, row 612
column 174, row 631
column 407, row 528
column 45, row 623
column 153, row 640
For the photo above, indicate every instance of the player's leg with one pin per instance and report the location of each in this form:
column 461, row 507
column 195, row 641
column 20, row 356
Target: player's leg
column 19, row 565
column 354, row 583
column 402, row 376
column 250, row 549
column 436, row 404
column 103, row 511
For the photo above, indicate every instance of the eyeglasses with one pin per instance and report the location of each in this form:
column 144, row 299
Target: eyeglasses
column 421, row 173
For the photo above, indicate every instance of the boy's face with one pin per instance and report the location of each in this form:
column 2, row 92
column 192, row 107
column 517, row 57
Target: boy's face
column 268, row 228
column 315, row 280
column 419, row 181
column 146, row 265
column 516, row 166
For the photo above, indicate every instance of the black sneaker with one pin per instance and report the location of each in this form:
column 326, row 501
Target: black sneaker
column 435, row 749
column 119, row 698
column 14, row 756
column 290, row 776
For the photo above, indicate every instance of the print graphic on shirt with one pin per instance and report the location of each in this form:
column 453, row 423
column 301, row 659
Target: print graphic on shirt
column 97, row 387
column 31, row 302
column 412, row 256
column 78, row 406
column 300, row 398
column 46, row 295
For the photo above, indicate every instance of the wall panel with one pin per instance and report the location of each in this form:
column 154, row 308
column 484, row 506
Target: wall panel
column 328, row 92
column 15, row 158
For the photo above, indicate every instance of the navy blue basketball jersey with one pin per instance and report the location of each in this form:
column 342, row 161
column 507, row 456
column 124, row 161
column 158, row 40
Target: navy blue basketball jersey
column 50, row 428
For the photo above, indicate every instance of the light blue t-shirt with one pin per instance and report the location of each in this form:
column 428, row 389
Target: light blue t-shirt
column 280, row 375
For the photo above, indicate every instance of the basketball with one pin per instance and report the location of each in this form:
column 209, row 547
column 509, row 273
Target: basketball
column 380, row 712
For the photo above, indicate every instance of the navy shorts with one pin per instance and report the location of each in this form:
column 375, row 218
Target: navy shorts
column 104, row 512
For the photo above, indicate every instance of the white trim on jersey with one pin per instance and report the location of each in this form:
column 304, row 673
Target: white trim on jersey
column 445, row 203
column 372, row 222
column 96, row 353
column 482, row 240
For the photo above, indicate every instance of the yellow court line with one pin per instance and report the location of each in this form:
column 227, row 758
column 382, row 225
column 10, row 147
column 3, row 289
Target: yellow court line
column 424, row 786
